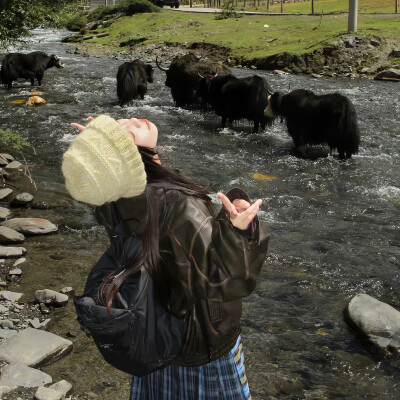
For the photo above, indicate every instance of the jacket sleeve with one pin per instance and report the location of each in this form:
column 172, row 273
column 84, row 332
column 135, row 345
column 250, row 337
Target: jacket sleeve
column 222, row 263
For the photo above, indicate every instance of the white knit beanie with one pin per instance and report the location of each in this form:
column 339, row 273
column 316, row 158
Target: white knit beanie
column 103, row 164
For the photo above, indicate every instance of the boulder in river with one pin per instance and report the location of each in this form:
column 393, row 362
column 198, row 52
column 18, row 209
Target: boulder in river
column 376, row 321
column 48, row 348
column 391, row 74
column 31, row 226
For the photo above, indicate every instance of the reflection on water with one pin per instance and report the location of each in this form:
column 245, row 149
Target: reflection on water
column 334, row 225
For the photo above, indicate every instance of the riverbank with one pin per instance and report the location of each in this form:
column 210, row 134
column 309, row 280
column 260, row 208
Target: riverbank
column 297, row 44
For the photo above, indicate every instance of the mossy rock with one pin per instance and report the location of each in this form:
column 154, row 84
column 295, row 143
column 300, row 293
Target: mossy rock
column 132, row 42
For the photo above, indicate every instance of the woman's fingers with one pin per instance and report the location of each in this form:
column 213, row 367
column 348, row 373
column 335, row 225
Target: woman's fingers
column 78, row 126
column 241, row 204
column 227, row 203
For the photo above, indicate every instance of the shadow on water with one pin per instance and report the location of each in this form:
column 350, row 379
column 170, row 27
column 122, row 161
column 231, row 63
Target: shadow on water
column 334, row 224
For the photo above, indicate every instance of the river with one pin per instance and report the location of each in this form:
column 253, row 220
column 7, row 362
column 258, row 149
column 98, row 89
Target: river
column 335, row 225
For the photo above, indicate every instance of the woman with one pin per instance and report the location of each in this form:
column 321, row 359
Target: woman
column 208, row 261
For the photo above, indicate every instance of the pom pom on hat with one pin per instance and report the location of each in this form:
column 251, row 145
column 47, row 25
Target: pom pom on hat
column 103, row 164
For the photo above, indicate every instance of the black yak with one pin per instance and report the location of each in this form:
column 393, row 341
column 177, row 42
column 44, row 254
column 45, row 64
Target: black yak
column 184, row 75
column 27, row 66
column 132, row 78
column 312, row 119
column 237, row 98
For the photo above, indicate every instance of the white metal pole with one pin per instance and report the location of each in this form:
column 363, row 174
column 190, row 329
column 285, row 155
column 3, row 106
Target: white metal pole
column 353, row 9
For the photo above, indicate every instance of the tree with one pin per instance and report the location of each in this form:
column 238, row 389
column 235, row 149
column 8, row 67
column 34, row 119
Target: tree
column 18, row 16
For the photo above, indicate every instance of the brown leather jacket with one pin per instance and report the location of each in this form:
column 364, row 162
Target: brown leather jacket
column 209, row 266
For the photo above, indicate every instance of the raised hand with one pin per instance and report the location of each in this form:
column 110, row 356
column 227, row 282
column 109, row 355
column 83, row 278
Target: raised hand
column 240, row 211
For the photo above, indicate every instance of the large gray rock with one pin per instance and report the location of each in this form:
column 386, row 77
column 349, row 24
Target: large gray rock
column 30, row 226
column 44, row 393
column 51, row 297
column 5, row 193
column 391, row 74
column 34, row 348
column 12, row 251
column 18, row 374
column 21, row 199
column 4, row 213
column 8, row 235
column 13, row 166
column 377, row 321
column 11, row 296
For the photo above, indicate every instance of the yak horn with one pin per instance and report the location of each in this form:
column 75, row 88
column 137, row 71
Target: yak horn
column 159, row 66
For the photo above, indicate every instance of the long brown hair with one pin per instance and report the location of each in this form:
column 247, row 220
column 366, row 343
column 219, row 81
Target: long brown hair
column 149, row 253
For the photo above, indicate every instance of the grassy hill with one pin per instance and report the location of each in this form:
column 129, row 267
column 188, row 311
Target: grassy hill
column 254, row 38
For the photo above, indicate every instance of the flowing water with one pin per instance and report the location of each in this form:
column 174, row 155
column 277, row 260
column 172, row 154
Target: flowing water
column 335, row 225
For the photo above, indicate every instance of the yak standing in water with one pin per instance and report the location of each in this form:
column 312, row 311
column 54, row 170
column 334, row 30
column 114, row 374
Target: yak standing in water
column 237, row 98
column 132, row 78
column 184, row 75
column 313, row 119
column 27, row 66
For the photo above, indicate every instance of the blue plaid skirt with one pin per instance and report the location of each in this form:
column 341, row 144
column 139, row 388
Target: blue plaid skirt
column 223, row 379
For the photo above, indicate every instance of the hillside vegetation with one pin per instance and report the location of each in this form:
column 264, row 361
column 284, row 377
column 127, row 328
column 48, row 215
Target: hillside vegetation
column 267, row 41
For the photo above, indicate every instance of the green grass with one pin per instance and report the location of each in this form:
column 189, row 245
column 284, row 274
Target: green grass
column 247, row 37
column 325, row 6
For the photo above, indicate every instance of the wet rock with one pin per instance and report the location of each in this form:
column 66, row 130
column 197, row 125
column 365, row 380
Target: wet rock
column 18, row 374
column 15, row 272
column 11, row 296
column 12, row 251
column 67, row 290
column 377, row 321
column 19, row 261
column 8, row 235
column 43, row 309
column 48, row 347
column 389, row 74
column 31, row 226
column 22, row 199
column 13, row 166
column 7, row 324
column 7, row 333
column 62, row 386
column 395, row 53
column 7, row 157
column 5, row 193
column 51, row 297
column 4, row 213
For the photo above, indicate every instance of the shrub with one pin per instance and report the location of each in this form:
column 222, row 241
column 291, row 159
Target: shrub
column 101, row 13
column 76, row 23
column 228, row 11
column 130, row 7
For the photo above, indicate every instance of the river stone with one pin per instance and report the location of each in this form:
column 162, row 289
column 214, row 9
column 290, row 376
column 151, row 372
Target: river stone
column 15, row 271
column 7, row 324
column 44, row 393
column 5, row 192
column 395, row 53
column 30, row 226
column 13, row 166
column 62, row 386
column 10, row 296
column 21, row 199
column 3, row 309
column 7, row 156
column 389, row 74
column 376, row 320
column 8, row 235
column 19, row 261
column 4, row 213
column 7, row 333
column 48, row 296
column 18, row 374
column 48, row 347
column 12, row 251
